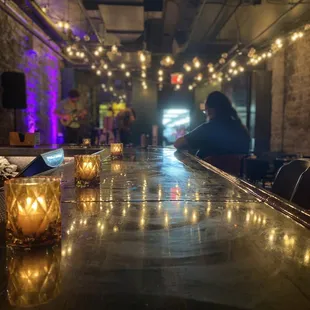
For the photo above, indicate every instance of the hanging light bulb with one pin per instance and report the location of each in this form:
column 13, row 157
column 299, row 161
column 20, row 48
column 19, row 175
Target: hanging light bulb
column 86, row 37
column 77, row 54
column 160, row 72
column 98, row 72
column 279, row 43
column 123, row 66
column 142, row 57
column 143, row 74
column 214, row 76
column 177, row 87
column 143, row 67
column 187, row 68
column 197, row 63
column 233, row 64
column 105, row 67
column 190, row 87
column 45, row 8
column 93, row 66
column 160, row 79
column 77, row 39
column 167, row 61
column 82, row 55
column 68, row 49
column 110, row 73
column 199, row 77
column 70, row 53
column 66, row 25
column 96, row 53
column 269, row 54
column 211, row 69
column 114, row 49
column 127, row 74
column 100, row 49
column 60, row 24
column 111, row 88
column 235, row 72
column 219, row 79
column 230, row 70
column 241, row 69
column 144, row 86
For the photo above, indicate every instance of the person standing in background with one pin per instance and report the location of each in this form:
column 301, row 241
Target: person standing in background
column 125, row 121
column 71, row 112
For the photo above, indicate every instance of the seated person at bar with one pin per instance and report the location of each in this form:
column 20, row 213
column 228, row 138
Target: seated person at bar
column 222, row 140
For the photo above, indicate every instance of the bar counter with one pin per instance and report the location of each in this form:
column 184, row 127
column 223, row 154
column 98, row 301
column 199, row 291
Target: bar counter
column 160, row 233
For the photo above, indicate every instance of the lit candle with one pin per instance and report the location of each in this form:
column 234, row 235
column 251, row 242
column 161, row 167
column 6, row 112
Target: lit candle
column 87, row 170
column 116, row 150
column 33, row 211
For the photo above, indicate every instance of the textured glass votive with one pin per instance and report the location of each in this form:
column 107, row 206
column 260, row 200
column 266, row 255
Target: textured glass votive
column 87, row 170
column 88, row 200
column 33, row 276
column 32, row 211
column 86, row 142
column 117, row 166
column 116, row 150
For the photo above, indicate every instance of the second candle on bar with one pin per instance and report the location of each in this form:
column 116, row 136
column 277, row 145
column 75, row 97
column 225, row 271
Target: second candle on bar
column 87, row 170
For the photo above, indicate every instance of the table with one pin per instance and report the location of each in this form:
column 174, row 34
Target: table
column 159, row 234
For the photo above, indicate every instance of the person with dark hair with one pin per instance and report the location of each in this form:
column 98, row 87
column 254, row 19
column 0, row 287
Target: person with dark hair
column 223, row 134
column 126, row 118
column 71, row 112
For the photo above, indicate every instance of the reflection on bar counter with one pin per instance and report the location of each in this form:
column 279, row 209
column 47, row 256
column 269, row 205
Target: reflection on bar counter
column 34, row 277
column 33, row 211
column 88, row 200
column 116, row 150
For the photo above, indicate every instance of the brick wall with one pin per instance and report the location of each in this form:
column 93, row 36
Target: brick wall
column 290, row 131
column 22, row 52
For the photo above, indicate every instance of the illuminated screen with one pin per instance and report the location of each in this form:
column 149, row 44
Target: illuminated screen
column 176, row 124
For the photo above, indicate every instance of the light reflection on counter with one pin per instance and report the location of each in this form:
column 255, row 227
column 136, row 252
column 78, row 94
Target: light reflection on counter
column 33, row 276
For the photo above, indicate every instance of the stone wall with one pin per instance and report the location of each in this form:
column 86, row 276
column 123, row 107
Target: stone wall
column 22, row 52
column 291, row 98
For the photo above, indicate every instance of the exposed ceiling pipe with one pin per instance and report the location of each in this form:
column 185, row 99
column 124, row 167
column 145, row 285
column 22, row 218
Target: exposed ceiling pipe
column 8, row 9
column 185, row 46
column 90, row 21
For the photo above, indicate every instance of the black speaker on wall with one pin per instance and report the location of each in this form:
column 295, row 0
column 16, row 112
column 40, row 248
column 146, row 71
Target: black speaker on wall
column 13, row 86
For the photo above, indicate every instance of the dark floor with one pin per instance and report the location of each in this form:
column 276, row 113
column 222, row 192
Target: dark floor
column 160, row 235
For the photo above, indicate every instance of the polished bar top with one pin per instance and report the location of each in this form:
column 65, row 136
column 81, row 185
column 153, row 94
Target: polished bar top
column 38, row 150
column 159, row 234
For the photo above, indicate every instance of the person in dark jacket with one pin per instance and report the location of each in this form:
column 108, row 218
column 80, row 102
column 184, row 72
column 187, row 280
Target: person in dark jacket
column 222, row 134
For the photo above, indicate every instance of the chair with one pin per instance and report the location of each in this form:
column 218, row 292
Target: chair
column 301, row 195
column 287, row 178
column 229, row 163
column 255, row 169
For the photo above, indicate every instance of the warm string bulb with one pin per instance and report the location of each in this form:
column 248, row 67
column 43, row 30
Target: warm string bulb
column 127, row 74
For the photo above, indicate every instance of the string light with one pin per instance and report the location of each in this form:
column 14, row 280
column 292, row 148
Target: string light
column 167, row 61
column 123, row 66
column 105, row 67
column 110, row 73
column 93, row 66
column 127, row 74
column 100, row 49
column 143, row 74
column 190, row 87
column 144, row 86
column 197, row 63
column 241, row 69
column 98, row 72
column 160, row 79
column 142, row 57
column 211, row 69
column 143, row 67
column 199, row 77
column 160, row 72
column 114, row 49
column 177, row 87
column 233, row 64
column 66, row 25
column 111, row 88
column 96, row 53
column 187, row 67
column 60, row 24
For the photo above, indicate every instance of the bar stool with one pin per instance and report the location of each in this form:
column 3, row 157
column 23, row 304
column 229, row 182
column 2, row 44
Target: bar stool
column 287, row 178
column 229, row 163
column 301, row 195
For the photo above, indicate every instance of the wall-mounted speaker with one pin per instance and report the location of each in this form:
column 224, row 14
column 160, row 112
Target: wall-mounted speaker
column 13, row 90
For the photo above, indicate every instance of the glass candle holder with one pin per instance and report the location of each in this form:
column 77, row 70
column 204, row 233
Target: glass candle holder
column 86, row 142
column 34, row 276
column 87, row 170
column 88, row 200
column 32, row 211
column 116, row 150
